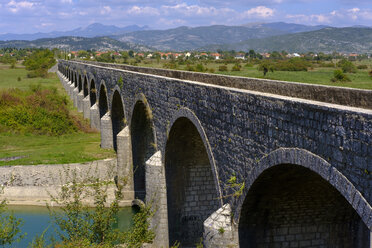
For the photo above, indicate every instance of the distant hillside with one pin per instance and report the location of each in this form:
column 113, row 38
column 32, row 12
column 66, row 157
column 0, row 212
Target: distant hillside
column 75, row 44
column 93, row 30
column 186, row 38
column 347, row 40
column 286, row 27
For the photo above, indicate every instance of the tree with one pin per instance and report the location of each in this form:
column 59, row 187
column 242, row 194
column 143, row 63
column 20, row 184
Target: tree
column 10, row 231
column 265, row 67
column 347, row 66
column 339, row 76
column 39, row 62
column 86, row 226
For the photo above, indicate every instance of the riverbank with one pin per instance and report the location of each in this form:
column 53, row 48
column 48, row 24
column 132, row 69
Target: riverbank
column 33, row 185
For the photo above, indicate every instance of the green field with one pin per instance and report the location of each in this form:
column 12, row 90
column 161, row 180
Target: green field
column 317, row 75
column 44, row 149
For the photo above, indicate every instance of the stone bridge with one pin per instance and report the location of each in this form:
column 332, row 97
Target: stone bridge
column 301, row 153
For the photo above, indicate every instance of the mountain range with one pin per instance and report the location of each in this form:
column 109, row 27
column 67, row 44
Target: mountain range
column 189, row 38
column 348, row 40
column 76, row 43
column 258, row 36
column 93, row 30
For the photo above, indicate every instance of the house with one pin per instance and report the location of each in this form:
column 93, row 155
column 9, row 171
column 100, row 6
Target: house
column 240, row 56
column 215, row 55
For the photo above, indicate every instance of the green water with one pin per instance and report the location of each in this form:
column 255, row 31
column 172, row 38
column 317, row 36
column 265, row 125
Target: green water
column 37, row 219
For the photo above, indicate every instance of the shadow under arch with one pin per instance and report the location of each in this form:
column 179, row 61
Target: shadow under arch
column 80, row 84
column 92, row 93
column 117, row 115
column 192, row 193
column 143, row 142
column 294, row 195
column 85, row 87
column 102, row 101
column 74, row 78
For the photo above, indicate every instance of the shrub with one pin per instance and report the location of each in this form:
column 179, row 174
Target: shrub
column 236, row 67
column 199, row 68
column 222, row 68
column 325, row 64
column 39, row 62
column 190, row 67
column 266, row 66
column 370, row 73
column 38, row 111
column 347, row 66
column 248, row 65
column 339, row 76
column 9, row 226
column 293, row 64
column 93, row 226
column 211, row 70
column 362, row 67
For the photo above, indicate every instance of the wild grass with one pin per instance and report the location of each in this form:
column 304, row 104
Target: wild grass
column 316, row 75
column 39, row 123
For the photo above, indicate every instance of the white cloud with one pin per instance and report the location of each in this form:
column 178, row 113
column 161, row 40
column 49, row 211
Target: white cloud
column 66, row 1
column 137, row 10
column 105, row 10
column 16, row 6
column 259, row 11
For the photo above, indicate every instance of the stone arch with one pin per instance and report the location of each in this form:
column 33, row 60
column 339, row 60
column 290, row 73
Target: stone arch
column 103, row 100
column 92, row 92
column 117, row 115
column 294, row 195
column 192, row 195
column 86, row 87
column 143, row 140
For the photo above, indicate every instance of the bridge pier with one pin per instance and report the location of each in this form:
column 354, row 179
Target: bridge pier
column 71, row 90
column 219, row 229
column 75, row 93
column 94, row 117
column 86, row 107
column 156, row 197
column 124, row 165
column 80, row 98
column 106, row 131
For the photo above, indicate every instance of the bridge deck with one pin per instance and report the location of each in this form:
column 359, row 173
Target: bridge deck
column 330, row 94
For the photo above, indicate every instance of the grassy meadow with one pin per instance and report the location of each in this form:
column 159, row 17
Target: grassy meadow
column 40, row 124
column 315, row 75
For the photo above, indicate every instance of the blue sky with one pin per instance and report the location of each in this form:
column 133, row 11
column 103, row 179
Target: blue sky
column 30, row 16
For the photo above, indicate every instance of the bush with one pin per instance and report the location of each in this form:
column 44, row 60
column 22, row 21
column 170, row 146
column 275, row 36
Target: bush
column 362, row 67
column 266, row 66
column 199, row 68
column 9, row 226
column 236, row 67
column 222, row 68
column 39, row 62
column 93, row 226
column 190, row 67
column 211, row 70
column 347, row 66
column 38, row 111
column 339, row 76
column 325, row 64
column 370, row 73
column 293, row 64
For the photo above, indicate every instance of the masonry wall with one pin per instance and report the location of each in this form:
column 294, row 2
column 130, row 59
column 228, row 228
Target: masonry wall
column 336, row 95
column 244, row 126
